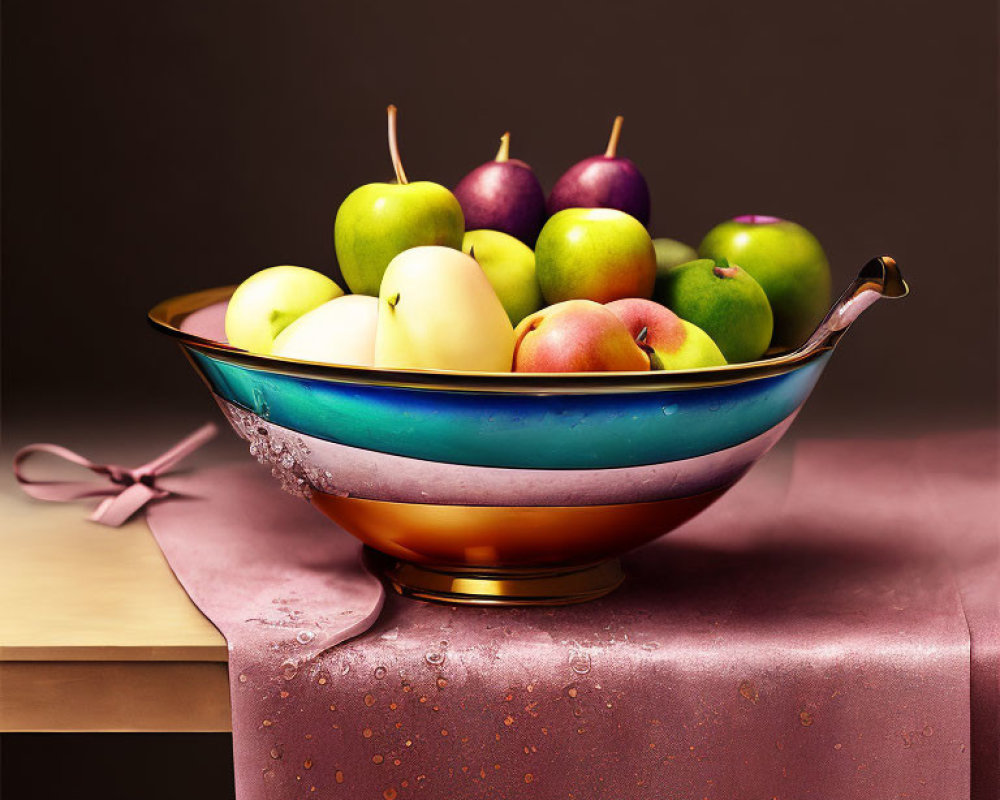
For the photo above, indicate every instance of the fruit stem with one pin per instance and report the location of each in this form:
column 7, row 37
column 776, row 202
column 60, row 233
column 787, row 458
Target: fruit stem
column 393, row 300
column 397, row 164
column 616, row 133
column 503, row 154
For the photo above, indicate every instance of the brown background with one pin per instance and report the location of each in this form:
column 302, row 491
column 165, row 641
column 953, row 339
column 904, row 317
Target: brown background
column 157, row 147
column 161, row 146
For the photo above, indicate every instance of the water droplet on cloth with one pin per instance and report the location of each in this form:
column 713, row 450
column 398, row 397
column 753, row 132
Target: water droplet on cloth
column 579, row 662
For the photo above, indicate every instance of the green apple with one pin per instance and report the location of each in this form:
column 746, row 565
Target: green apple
column 378, row 221
column 509, row 265
column 725, row 302
column 789, row 264
column 270, row 300
column 598, row 254
column 341, row 331
column 670, row 253
column 437, row 310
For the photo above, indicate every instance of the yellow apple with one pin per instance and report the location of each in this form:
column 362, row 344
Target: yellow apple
column 270, row 300
column 437, row 310
column 341, row 331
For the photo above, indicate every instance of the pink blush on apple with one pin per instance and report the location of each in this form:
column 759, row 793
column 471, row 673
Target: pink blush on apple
column 664, row 330
column 757, row 219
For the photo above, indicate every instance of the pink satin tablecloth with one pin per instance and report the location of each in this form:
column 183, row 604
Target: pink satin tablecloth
column 827, row 630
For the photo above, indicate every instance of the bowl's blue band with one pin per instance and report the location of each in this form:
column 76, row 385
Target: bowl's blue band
column 572, row 431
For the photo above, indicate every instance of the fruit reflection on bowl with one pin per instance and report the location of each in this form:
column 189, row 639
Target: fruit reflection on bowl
column 507, row 487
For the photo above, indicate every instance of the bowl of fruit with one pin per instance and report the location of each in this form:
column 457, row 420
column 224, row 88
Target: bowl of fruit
column 515, row 390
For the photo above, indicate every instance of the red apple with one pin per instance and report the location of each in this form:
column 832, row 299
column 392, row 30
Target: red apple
column 576, row 336
column 674, row 343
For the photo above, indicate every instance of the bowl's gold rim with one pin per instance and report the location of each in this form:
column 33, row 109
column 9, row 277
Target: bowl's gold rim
column 166, row 316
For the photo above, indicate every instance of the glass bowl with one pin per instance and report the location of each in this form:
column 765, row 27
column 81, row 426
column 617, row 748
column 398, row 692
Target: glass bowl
column 507, row 488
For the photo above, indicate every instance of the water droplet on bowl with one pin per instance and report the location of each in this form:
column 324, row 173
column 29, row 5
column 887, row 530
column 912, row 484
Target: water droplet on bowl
column 260, row 406
column 671, row 409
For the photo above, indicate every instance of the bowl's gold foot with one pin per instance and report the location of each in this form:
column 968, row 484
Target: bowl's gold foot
column 554, row 586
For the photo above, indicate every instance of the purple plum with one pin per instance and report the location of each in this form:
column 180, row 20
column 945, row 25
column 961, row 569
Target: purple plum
column 605, row 181
column 503, row 195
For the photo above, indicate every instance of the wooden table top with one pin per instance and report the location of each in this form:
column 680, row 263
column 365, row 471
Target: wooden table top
column 95, row 631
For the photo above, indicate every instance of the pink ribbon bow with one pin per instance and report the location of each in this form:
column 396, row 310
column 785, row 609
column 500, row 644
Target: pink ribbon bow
column 127, row 491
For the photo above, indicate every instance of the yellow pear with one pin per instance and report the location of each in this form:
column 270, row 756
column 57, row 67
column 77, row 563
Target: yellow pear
column 270, row 300
column 437, row 310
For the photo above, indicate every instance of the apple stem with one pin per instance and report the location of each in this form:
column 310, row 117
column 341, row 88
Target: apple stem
column 397, row 164
column 503, row 154
column 616, row 133
column 393, row 300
